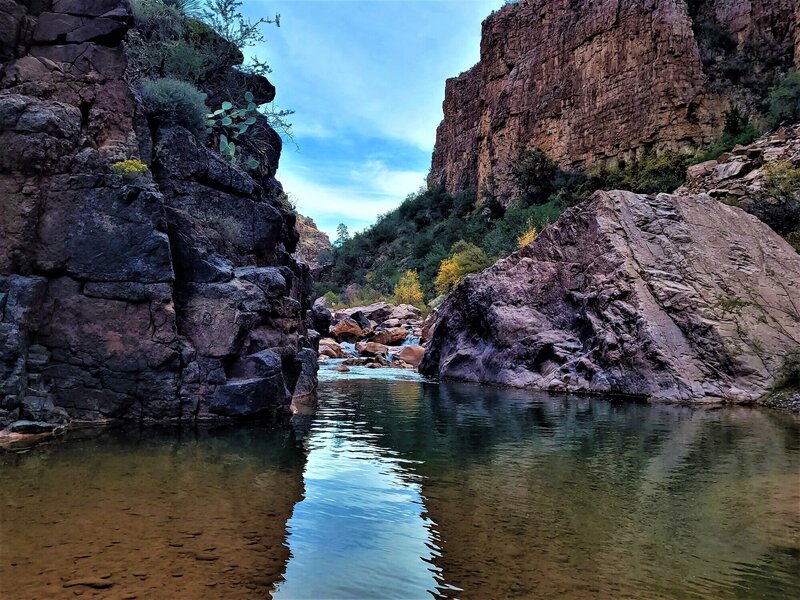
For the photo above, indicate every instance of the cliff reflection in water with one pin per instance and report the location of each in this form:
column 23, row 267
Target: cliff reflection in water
column 406, row 489
column 198, row 514
column 474, row 492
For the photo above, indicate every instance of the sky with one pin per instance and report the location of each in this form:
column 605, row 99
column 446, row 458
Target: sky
column 366, row 81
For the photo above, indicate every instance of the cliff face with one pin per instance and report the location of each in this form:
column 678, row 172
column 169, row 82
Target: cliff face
column 173, row 295
column 312, row 246
column 672, row 297
column 591, row 81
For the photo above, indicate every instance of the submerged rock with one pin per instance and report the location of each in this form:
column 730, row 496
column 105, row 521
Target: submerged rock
column 678, row 298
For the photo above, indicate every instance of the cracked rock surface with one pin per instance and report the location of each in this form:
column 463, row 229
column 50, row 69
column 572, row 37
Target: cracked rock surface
column 131, row 298
column 675, row 298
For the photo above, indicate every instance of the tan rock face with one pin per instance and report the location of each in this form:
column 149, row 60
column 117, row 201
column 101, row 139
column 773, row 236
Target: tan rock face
column 411, row 355
column 678, row 298
column 347, row 330
column 312, row 245
column 391, row 336
column 330, row 348
column 371, row 349
column 592, row 81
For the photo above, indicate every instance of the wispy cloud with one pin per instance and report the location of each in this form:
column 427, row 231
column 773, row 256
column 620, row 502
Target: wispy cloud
column 366, row 79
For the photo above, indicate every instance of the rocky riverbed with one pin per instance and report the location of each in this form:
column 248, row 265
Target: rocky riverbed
column 374, row 336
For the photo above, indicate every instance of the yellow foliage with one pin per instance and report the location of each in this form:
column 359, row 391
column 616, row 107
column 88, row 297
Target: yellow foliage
column 528, row 236
column 408, row 289
column 449, row 275
column 129, row 168
column 467, row 258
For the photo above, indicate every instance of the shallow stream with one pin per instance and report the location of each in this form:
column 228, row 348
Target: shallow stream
column 400, row 488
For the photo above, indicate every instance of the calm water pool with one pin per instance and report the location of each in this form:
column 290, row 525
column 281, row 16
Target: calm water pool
column 407, row 489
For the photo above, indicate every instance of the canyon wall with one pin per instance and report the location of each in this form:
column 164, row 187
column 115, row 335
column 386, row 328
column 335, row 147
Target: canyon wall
column 593, row 81
column 171, row 295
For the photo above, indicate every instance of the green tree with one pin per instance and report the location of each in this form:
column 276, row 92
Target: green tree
column 784, row 100
column 342, row 235
column 534, row 175
column 466, row 258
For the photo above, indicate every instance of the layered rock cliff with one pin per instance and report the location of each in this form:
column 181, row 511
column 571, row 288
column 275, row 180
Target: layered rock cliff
column 314, row 247
column 591, row 81
column 672, row 297
column 170, row 295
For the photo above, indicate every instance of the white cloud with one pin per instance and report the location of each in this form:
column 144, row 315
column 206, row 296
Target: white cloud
column 354, row 203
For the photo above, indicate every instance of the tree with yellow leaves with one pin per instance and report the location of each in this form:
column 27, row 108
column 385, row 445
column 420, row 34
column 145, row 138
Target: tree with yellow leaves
column 408, row 289
column 528, row 235
column 466, row 258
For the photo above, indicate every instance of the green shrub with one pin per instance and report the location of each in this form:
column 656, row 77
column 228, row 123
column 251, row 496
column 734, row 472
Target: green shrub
column 650, row 173
column 534, row 175
column 738, row 131
column 172, row 102
column 187, row 7
column 784, row 100
column 780, row 205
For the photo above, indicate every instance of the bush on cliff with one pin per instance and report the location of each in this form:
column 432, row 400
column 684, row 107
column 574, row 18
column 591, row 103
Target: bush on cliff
column 201, row 43
column 784, row 100
column 172, row 102
column 738, row 130
column 466, row 258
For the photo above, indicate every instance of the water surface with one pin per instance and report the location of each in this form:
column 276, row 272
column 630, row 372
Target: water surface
column 400, row 488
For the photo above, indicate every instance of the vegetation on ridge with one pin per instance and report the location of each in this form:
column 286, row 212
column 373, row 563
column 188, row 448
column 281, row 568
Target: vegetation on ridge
column 187, row 55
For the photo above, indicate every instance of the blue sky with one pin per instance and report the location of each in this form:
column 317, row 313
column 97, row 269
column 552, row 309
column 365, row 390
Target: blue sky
column 366, row 79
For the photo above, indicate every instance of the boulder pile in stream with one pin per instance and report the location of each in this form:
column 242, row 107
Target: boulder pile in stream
column 667, row 297
column 378, row 335
column 169, row 295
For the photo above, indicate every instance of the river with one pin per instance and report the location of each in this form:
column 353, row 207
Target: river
column 402, row 488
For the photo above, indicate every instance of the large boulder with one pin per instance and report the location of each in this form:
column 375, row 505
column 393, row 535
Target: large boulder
column 171, row 294
column 320, row 318
column 348, row 330
column 371, row 349
column 749, row 177
column 330, row 348
column 411, row 355
column 392, row 336
column 678, row 298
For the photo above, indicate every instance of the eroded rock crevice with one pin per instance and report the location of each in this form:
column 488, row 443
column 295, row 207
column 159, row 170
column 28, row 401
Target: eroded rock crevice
column 173, row 295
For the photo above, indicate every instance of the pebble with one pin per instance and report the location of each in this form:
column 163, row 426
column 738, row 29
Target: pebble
column 97, row 584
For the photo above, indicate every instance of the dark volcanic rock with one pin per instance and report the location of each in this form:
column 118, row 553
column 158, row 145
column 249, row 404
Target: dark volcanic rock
column 677, row 298
column 132, row 298
column 249, row 397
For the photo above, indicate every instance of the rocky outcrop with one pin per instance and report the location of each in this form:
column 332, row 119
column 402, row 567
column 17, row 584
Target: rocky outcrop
column 314, row 247
column 672, row 297
column 591, row 81
column 762, row 178
column 143, row 298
